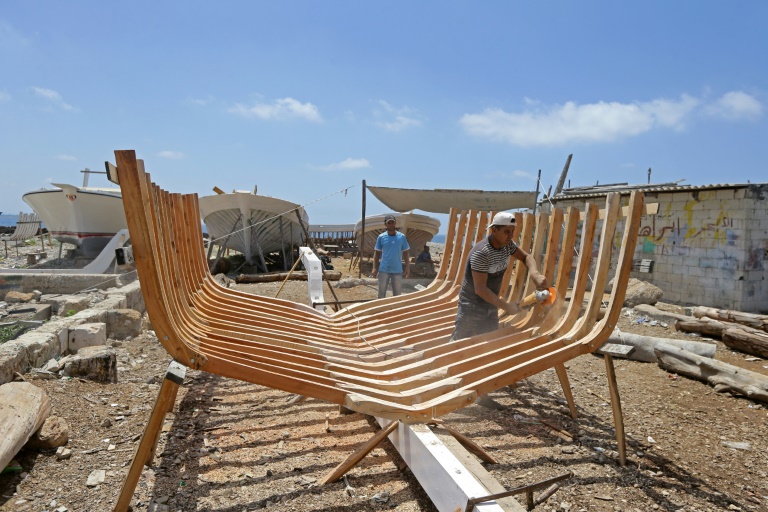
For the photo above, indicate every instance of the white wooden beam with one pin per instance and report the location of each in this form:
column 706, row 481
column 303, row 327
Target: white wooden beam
column 441, row 472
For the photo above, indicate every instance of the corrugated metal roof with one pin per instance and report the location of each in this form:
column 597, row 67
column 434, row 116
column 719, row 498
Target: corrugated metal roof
column 602, row 190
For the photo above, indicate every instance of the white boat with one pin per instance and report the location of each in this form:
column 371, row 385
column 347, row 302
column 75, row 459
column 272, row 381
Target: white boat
column 87, row 217
column 418, row 229
column 253, row 224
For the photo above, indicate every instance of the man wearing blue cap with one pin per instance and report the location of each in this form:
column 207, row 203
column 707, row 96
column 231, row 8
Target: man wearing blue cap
column 388, row 254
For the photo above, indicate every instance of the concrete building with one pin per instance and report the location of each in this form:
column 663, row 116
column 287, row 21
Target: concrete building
column 707, row 245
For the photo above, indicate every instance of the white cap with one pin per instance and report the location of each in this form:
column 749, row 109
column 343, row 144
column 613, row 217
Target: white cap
column 503, row 219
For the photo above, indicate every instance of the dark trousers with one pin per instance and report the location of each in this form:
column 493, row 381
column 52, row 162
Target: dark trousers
column 472, row 320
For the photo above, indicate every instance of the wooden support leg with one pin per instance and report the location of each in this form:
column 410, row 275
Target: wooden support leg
column 172, row 394
column 618, row 418
column 174, row 376
column 356, row 457
column 566, row 385
column 467, row 443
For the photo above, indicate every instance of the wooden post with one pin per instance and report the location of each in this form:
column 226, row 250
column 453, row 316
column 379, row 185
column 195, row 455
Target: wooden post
column 618, row 418
column 174, row 377
column 356, row 457
column 566, row 385
column 467, row 443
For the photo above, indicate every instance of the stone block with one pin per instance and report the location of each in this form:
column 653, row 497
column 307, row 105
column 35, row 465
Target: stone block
column 53, row 433
column 86, row 335
column 43, row 312
column 641, row 292
column 97, row 363
column 123, row 323
column 73, row 304
column 16, row 296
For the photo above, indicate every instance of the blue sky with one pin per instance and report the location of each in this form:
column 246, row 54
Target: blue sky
column 306, row 99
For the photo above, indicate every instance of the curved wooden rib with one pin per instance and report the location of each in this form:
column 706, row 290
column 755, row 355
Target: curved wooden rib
column 389, row 357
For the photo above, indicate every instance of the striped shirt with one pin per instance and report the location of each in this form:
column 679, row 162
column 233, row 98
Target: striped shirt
column 485, row 258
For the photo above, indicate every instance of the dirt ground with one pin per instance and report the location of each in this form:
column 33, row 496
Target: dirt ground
column 231, row 446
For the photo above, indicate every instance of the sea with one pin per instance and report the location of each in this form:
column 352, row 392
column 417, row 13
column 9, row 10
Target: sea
column 8, row 220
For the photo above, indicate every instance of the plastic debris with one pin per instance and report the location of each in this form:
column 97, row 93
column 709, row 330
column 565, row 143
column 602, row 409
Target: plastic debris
column 381, row 497
column 737, row 446
column 12, row 467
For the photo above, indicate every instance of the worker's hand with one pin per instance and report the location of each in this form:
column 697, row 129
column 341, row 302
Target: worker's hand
column 511, row 307
column 374, row 273
column 540, row 281
column 406, row 272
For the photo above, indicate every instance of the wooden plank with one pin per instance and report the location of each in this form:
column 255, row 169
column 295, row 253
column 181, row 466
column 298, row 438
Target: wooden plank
column 615, row 350
column 446, row 472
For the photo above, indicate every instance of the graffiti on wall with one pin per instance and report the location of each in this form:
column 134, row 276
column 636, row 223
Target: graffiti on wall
column 677, row 233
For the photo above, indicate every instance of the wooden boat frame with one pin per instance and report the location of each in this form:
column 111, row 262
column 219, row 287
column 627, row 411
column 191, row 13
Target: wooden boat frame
column 390, row 358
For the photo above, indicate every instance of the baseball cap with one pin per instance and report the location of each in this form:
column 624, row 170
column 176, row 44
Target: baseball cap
column 388, row 218
column 503, row 219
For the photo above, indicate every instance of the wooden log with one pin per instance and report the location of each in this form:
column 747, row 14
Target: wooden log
column 749, row 341
column 23, row 409
column 704, row 325
column 750, row 319
column 723, row 376
column 740, row 337
column 300, row 275
column 645, row 346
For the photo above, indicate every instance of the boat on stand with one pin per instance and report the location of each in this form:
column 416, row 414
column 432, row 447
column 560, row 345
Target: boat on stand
column 417, row 228
column 254, row 225
column 86, row 217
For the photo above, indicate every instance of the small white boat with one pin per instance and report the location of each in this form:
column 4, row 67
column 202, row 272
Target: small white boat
column 253, row 224
column 418, row 229
column 87, row 217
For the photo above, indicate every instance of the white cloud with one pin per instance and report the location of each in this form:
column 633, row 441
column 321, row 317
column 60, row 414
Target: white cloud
column 571, row 122
column 735, row 106
column 4, row 96
column 522, row 174
column 171, row 155
column 510, row 175
column 52, row 96
column 345, row 165
column 282, row 108
column 202, row 102
column 10, row 37
column 67, row 158
column 397, row 119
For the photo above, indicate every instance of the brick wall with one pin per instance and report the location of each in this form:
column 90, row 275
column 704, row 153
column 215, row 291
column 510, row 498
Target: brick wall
column 710, row 247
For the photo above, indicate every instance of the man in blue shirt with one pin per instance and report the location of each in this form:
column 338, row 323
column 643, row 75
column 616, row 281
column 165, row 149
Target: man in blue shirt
column 390, row 250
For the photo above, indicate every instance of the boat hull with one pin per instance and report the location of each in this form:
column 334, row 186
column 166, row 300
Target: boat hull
column 85, row 218
column 252, row 224
column 418, row 229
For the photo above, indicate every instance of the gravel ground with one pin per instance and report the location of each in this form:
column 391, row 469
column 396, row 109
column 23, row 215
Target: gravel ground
column 233, row 446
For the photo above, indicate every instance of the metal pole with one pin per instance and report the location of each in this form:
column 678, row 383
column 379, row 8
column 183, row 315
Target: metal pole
column 362, row 240
column 537, row 192
column 282, row 243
